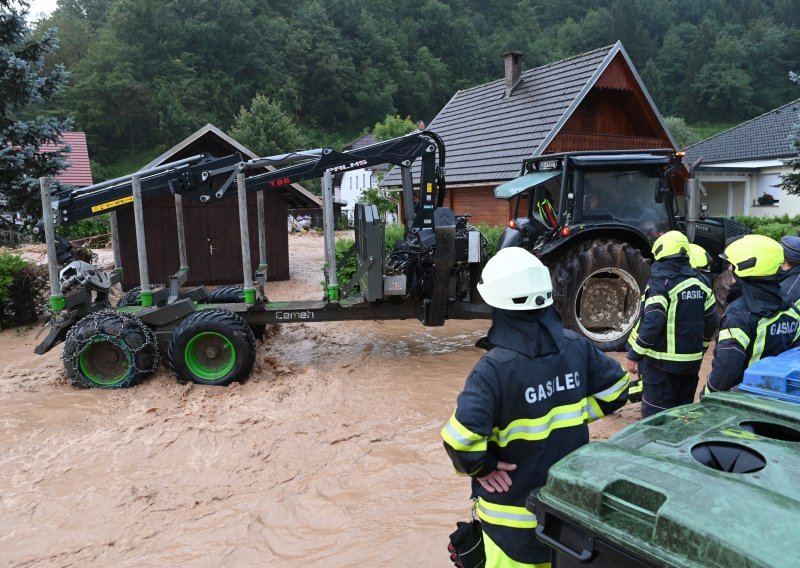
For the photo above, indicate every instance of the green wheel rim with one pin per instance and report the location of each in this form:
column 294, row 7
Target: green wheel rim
column 105, row 360
column 210, row 356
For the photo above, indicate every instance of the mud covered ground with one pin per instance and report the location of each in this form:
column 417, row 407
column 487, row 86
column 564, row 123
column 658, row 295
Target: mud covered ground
column 329, row 455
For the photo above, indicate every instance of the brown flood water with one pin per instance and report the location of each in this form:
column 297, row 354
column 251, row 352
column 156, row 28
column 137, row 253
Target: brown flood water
column 329, row 455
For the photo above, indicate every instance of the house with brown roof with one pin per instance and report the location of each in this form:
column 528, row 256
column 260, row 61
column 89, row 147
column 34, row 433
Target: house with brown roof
column 741, row 167
column 592, row 101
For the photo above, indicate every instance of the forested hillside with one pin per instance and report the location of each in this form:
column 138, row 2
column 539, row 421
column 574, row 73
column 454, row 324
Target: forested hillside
column 145, row 73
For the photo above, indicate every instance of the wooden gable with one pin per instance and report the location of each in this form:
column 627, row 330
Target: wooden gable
column 614, row 114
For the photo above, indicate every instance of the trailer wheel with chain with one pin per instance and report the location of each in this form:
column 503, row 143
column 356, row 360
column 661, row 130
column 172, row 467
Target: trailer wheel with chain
column 109, row 349
column 212, row 347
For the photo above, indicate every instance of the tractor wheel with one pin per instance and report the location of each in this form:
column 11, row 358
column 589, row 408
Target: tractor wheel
column 597, row 288
column 130, row 298
column 234, row 295
column 212, row 347
column 108, row 349
column 133, row 298
column 227, row 295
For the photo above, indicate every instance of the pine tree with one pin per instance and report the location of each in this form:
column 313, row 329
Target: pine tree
column 23, row 84
column 790, row 182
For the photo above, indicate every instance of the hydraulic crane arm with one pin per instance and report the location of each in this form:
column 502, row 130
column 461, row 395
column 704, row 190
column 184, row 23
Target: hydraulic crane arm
column 208, row 179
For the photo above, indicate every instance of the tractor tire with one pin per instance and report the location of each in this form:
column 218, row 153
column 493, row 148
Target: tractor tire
column 227, row 295
column 234, row 295
column 212, row 347
column 109, row 350
column 597, row 288
column 133, row 298
column 130, row 298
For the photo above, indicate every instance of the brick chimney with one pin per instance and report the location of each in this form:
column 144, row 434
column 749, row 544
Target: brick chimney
column 513, row 65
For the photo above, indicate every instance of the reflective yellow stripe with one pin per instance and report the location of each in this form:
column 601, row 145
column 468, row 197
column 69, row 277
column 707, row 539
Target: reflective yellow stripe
column 613, row 392
column 672, row 312
column 635, row 388
column 496, row 558
column 681, row 357
column 761, row 333
column 539, row 428
column 593, row 409
column 734, row 333
column 661, row 300
column 639, row 349
column 461, row 439
column 505, row 515
column 710, row 301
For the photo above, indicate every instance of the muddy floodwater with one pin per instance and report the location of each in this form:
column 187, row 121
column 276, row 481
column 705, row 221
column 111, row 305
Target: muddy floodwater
column 329, row 455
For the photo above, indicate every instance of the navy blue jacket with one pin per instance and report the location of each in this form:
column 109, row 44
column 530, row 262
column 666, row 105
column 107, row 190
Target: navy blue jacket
column 758, row 324
column 528, row 401
column 678, row 320
column 790, row 284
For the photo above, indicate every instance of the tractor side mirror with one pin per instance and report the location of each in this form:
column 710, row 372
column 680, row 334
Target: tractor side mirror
column 661, row 191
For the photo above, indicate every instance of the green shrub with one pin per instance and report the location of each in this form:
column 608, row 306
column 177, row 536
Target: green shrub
column 23, row 287
column 776, row 230
column 346, row 272
column 10, row 264
column 492, row 234
column 394, row 232
column 773, row 227
column 88, row 228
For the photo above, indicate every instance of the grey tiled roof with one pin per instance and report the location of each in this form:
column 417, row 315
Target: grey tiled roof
column 764, row 137
column 487, row 135
column 361, row 141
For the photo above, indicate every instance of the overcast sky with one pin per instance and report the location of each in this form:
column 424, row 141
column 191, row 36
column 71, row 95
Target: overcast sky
column 41, row 7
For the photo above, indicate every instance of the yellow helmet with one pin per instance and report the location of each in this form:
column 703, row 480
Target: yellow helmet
column 672, row 242
column 698, row 257
column 754, row 255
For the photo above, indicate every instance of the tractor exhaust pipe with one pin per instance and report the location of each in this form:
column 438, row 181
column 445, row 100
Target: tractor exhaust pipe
column 692, row 201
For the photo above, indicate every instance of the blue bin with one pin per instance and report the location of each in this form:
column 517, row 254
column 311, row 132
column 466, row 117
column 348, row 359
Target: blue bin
column 775, row 377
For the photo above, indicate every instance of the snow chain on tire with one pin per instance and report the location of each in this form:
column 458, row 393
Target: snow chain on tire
column 109, row 349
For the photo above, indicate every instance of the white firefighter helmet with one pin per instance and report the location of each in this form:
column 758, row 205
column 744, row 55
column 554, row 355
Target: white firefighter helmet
column 514, row 279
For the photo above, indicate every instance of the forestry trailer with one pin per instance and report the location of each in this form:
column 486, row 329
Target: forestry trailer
column 431, row 275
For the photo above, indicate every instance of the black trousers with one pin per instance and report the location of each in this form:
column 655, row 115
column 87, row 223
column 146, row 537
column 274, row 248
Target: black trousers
column 662, row 390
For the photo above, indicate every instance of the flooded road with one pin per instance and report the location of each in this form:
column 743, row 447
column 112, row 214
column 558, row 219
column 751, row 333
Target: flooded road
column 329, row 455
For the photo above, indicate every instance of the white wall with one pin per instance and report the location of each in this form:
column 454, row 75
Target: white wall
column 353, row 184
column 737, row 193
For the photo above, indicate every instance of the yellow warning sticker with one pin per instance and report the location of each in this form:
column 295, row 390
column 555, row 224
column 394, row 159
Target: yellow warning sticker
column 429, row 188
column 112, row 204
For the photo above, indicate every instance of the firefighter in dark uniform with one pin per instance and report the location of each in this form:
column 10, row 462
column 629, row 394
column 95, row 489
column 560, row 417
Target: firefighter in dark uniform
column 698, row 259
column 759, row 323
column 790, row 277
column 677, row 323
column 525, row 405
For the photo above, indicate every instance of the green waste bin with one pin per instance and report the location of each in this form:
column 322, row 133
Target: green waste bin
column 713, row 484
